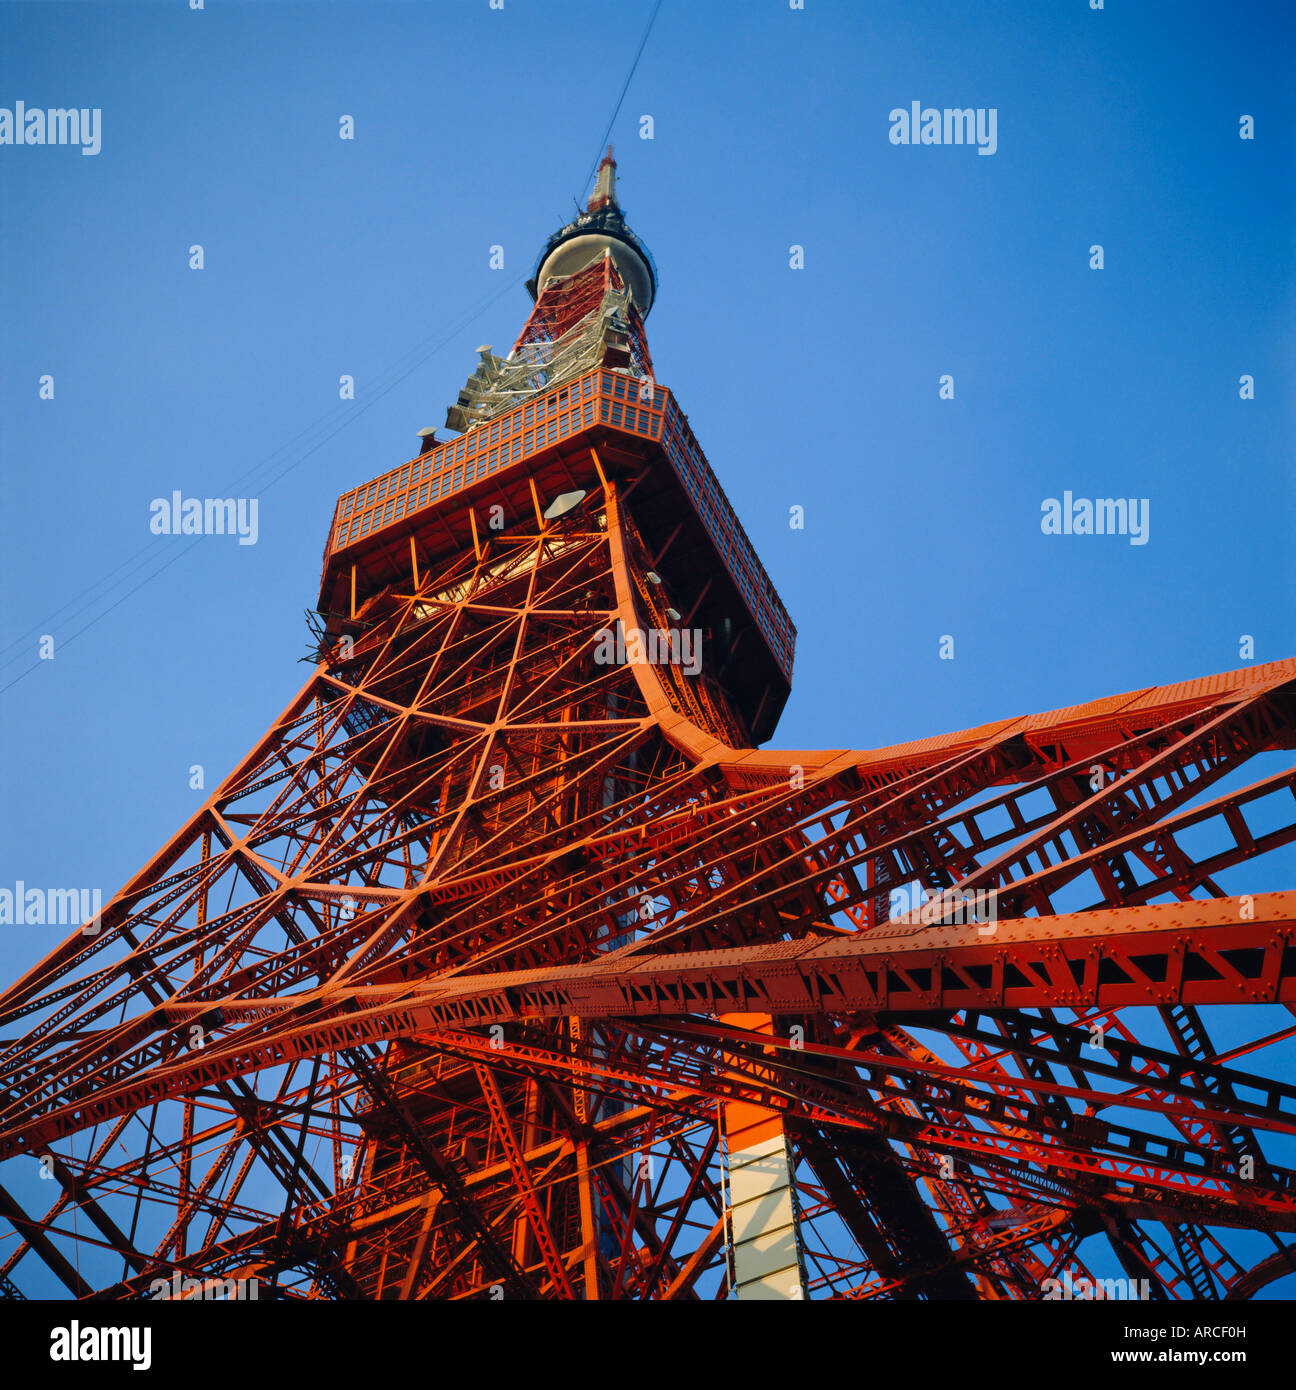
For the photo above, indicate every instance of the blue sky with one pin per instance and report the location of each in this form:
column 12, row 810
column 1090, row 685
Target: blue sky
column 814, row 387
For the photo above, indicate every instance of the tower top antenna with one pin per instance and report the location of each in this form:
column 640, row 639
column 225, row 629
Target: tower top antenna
column 604, row 194
column 598, row 228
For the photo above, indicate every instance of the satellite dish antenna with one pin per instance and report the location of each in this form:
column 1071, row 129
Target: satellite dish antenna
column 564, row 503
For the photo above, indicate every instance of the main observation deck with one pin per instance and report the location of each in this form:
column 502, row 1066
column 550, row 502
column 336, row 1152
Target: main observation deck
column 603, row 409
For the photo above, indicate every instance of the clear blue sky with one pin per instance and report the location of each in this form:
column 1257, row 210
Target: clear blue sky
column 816, row 387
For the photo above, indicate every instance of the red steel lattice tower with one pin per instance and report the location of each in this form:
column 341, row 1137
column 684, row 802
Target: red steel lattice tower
column 508, row 964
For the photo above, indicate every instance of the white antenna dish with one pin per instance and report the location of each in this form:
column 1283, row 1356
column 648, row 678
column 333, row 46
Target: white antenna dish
column 564, row 503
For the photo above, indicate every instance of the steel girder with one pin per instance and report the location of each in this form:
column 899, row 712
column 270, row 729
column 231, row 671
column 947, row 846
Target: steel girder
column 427, row 1000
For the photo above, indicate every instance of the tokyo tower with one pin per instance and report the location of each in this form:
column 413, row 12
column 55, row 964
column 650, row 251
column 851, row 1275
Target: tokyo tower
column 510, row 963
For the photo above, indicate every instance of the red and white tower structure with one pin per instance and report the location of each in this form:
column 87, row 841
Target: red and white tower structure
column 512, row 962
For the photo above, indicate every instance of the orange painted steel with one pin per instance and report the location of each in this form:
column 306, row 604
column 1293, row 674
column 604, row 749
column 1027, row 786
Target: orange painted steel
column 445, row 989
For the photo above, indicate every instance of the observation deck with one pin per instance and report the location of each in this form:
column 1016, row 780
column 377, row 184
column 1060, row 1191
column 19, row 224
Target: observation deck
column 438, row 502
